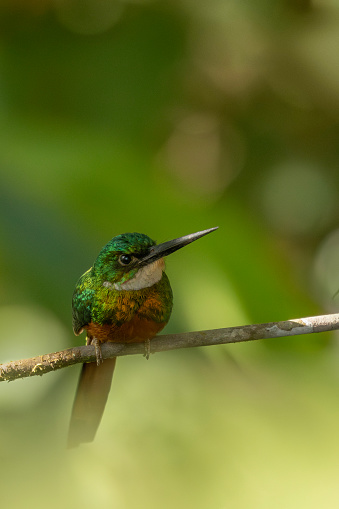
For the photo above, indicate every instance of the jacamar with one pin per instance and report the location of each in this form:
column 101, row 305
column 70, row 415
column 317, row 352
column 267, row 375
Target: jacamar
column 125, row 297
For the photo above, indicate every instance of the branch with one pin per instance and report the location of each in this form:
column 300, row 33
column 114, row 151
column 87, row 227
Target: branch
column 51, row 362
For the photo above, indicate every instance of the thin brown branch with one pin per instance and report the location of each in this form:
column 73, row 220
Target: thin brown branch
column 51, row 362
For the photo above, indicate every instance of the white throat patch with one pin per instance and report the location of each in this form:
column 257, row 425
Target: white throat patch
column 145, row 277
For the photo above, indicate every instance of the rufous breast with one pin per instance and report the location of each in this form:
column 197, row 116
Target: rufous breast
column 137, row 330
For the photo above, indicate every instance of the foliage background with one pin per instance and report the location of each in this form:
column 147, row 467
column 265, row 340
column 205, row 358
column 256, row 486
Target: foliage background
column 167, row 118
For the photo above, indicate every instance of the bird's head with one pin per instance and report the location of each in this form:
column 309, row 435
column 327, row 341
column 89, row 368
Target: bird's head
column 132, row 261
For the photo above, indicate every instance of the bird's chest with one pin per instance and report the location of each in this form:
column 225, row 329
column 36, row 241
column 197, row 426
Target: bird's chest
column 136, row 330
column 130, row 316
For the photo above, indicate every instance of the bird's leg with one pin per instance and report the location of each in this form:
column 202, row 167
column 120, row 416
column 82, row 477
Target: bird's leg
column 95, row 342
column 147, row 348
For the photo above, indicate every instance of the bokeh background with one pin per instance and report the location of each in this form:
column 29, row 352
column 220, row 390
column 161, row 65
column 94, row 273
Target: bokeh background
column 167, row 118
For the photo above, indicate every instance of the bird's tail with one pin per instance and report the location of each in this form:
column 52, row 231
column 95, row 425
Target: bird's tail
column 90, row 400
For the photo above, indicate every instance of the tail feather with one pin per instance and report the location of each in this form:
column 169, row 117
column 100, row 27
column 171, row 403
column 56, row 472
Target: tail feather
column 90, row 400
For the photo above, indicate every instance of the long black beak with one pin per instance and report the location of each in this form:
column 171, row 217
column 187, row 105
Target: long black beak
column 169, row 247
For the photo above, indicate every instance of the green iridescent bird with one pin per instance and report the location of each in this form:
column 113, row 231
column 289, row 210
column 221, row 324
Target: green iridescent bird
column 125, row 297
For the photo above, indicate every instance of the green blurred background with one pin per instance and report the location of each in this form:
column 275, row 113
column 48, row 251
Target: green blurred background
column 167, row 118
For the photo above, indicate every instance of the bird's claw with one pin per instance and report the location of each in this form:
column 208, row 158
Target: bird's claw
column 98, row 353
column 147, row 348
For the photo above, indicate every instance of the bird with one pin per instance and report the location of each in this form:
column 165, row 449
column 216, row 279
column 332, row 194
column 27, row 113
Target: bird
column 125, row 297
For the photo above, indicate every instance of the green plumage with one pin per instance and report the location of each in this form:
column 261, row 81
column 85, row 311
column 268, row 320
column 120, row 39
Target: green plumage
column 96, row 299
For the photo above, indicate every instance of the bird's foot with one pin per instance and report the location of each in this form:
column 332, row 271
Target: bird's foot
column 147, row 348
column 98, row 353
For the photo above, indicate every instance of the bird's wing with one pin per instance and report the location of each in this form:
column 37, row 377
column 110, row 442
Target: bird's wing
column 82, row 302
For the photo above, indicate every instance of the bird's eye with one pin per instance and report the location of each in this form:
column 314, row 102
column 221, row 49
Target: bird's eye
column 125, row 259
